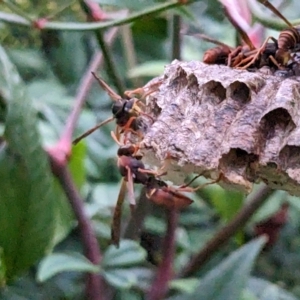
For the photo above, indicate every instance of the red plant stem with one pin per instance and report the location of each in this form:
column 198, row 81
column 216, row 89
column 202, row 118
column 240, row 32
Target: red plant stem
column 254, row 201
column 176, row 37
column 160, row 284
column 94, row 285
column 58, row 155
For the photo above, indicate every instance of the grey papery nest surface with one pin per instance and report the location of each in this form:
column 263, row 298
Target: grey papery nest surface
column 215, row 120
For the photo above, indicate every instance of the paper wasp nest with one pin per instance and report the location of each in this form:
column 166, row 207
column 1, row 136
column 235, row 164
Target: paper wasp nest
column 212, row 120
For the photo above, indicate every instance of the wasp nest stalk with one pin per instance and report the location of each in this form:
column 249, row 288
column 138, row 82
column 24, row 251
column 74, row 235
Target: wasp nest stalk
column 218, row 121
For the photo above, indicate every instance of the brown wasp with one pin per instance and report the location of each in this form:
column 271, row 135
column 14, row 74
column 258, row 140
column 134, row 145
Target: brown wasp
column 279, row 52
column 217, row 55
column 288, row 39
column 224, row 54
column 126, row 111
column 241, row 57
column 133, row 171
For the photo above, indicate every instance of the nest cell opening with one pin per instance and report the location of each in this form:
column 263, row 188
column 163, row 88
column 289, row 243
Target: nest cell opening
column 216, row 90
column 239, row 91
column 275, row 122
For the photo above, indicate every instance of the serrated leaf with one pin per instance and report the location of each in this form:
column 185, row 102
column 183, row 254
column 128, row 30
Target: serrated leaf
column 61, row 262
column 129, row 253
column 230, row 276
column 27, row 203
column 265, row 290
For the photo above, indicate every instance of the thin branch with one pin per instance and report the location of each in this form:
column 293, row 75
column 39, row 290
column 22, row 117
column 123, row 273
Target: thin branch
column 110, row 64
column 129, row 51
column 94, row 284
column 58, row 156
column 254, row 201
column 159, row 287
column 176, row 37
column 76, row 26
column 111, row 69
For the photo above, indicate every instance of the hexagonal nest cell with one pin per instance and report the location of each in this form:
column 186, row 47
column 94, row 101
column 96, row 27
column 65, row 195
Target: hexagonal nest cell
column 215, row 120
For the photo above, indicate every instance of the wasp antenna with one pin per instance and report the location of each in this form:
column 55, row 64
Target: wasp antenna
column 209, row 39
column 107, row 88
column 90, row 131
column 130, row 186
column 270, row 6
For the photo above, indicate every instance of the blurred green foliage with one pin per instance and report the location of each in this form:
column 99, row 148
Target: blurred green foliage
column 51, row 64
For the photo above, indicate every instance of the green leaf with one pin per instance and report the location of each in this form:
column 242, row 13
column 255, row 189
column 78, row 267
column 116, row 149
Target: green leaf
column 129, row 253
column 270, row 207
column 128, row 278
column 64, row 216
column 227, row 203
column 247, row 295
column 62, row 262
column 2, row 269
column 265, row 290
column 66, row 53
column 27, row 198
column 30, row 62
column 76, row 164
column 230, row 276
column 185, row 285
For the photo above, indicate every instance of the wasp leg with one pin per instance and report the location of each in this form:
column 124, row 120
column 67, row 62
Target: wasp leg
column 274, row 61
column 257, row 54
column 199, row 187
column 130, row 187
column 141, row 91
column 233, row 55
column 152, row 172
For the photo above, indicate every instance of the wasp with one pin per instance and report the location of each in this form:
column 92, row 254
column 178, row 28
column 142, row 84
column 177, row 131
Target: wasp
column 126, row 111
column 224, row 54
column 289, row 39
column 216, row 55
column 243, row 56
column 133, row 171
